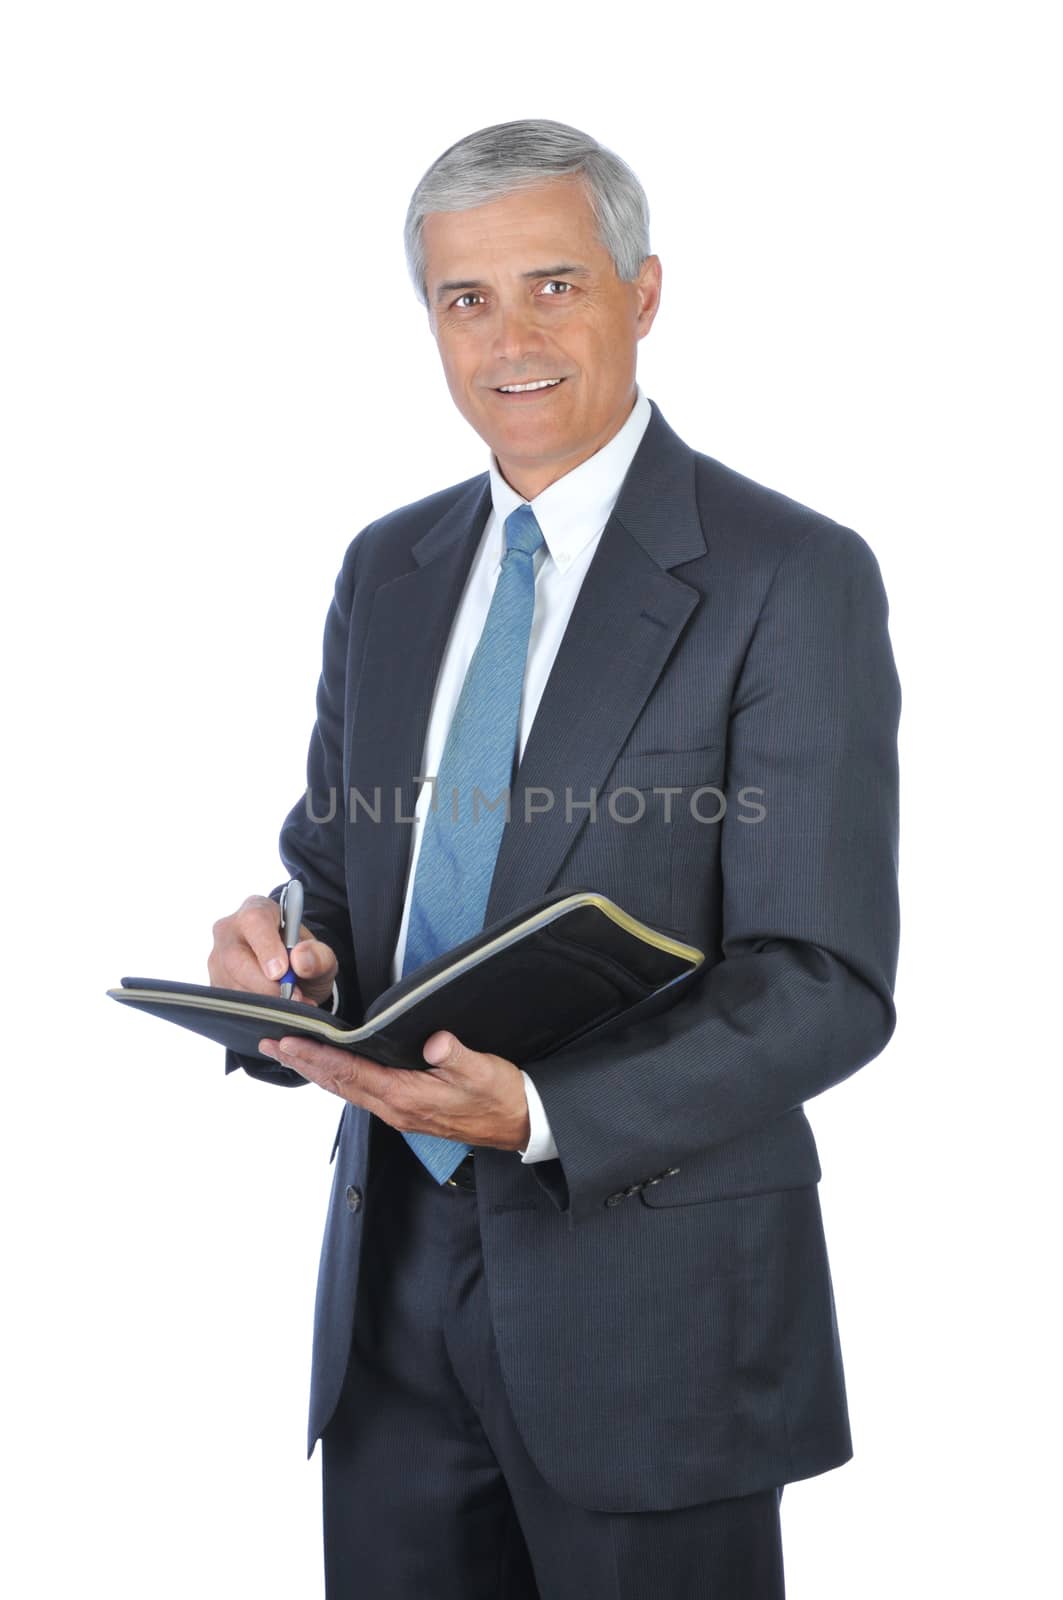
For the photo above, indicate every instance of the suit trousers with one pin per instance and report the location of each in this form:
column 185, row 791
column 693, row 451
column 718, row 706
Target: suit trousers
column 429, row 1493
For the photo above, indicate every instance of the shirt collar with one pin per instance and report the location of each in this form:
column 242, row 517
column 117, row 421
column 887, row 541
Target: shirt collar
column 576, row 507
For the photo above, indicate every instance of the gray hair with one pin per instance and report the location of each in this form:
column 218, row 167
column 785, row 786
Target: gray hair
column 495, row 162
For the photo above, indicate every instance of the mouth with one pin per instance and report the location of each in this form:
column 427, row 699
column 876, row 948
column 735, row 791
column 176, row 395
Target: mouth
column 535, row 389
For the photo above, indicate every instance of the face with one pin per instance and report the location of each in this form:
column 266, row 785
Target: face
column 522, row 289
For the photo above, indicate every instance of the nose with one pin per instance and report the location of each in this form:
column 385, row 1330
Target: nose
column 517, row 338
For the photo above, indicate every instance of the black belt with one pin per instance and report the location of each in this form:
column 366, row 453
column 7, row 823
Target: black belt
column 464, row 1175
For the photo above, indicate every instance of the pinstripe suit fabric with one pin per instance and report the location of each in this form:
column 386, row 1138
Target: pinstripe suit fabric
column 663, row 1341
column 428, row 1487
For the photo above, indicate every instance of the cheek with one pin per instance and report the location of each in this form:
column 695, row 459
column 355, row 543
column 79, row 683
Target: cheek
column 457, row 354
column 459, row 374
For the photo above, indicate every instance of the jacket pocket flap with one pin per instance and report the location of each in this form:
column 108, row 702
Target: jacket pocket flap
column 780, row 1156
column 663, row 769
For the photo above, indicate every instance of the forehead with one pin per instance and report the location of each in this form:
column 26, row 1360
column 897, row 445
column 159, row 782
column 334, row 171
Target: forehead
column 552, row 221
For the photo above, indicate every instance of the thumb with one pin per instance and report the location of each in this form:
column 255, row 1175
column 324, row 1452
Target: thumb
column 443, row 1049
column 312, row 959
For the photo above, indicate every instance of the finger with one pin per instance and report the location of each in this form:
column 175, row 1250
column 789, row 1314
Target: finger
column 258, row 922
column 241, row 971
column 355, row 1078
column 329, row 1066
column 234, row 965
column 455, row 1063
column 391, row 1092
column 311, row 959
column 307, row 999
column 443, row 1050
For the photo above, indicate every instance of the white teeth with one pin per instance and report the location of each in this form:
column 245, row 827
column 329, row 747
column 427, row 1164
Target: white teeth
column 519, row 388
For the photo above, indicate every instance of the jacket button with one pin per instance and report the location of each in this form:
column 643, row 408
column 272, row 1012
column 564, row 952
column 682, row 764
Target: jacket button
column 354, row 1198
column 615, row 1199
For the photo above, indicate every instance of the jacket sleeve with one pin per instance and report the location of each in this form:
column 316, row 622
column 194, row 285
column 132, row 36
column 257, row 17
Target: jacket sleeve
column 312, row 835
column 802, row 995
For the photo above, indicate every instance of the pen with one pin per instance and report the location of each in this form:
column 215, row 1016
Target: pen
column 291, row 921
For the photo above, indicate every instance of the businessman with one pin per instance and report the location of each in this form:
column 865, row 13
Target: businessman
column 575, row 1326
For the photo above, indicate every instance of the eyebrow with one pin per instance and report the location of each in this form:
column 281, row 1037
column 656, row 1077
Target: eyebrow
column 567, row 270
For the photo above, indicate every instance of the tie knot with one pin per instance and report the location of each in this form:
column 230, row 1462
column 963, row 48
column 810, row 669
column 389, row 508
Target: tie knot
column 523, row 533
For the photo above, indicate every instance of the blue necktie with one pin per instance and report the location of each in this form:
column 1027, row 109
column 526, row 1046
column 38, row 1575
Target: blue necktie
column 463, row 827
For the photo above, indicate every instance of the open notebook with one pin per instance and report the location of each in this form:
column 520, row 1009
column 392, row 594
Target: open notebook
column 521, row 988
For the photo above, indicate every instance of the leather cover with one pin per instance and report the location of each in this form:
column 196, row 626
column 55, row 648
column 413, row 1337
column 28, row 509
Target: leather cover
column 560, row 975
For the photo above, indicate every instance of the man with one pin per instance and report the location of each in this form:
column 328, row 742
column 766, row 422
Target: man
column 582, row 1358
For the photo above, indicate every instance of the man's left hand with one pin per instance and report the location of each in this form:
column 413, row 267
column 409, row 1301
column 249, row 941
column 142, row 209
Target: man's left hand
column 464, row 1095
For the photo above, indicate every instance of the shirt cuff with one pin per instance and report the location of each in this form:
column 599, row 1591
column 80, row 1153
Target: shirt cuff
column 541, row 1146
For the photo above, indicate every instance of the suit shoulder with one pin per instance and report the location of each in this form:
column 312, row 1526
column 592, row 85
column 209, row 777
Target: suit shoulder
column 760, row 524
column 397, row 530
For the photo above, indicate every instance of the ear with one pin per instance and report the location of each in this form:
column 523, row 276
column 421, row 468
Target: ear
column 648, row 287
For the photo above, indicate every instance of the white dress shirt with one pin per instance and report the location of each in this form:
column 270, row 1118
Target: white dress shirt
column 572, row 514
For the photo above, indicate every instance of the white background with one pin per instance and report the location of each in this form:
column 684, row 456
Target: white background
column 214, row 374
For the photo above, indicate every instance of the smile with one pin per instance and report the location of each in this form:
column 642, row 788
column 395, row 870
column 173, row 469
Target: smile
column 520, row 391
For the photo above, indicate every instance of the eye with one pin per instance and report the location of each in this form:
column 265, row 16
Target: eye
column 558, row 283
column 467, row 296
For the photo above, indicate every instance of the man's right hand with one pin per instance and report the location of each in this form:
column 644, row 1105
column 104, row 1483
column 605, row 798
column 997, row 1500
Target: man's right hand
column 249, row 954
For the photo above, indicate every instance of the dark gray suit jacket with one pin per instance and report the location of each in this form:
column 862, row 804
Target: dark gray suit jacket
column 660, row 1293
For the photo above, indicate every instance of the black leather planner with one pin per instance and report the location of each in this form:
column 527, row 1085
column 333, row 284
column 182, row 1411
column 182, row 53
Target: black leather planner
column 521, row 988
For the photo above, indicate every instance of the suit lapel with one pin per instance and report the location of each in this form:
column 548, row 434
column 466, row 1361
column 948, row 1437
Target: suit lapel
column 624, row 626
column 629, row 613
column 407, row 634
